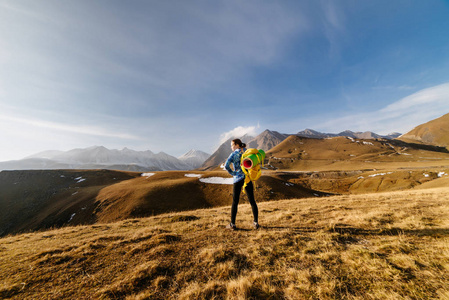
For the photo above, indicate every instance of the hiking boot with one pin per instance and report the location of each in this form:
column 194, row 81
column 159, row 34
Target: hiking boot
column 231, row 226
column 256, row 225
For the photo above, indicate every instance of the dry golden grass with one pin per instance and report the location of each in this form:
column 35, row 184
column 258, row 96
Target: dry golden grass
column 341, row 153
column 375, row 246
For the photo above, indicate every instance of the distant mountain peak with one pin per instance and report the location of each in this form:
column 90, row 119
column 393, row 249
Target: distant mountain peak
column 310, row 133
column 194, row 158
column 99, row 157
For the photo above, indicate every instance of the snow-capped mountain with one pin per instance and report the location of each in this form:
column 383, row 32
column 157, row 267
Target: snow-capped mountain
column 194, row 158
column 98, row 157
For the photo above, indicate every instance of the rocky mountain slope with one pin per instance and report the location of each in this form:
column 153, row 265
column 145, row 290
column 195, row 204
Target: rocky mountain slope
column 222, row 153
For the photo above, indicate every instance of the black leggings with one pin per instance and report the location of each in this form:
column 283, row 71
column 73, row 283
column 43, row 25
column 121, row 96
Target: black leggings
column 249, row 189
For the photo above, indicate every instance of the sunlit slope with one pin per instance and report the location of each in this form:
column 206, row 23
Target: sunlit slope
column 357, row 182
column 376, row 246
column 435, row 132
column 342, row 153
column 174, row 191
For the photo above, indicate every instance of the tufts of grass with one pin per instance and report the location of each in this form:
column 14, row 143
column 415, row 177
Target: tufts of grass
column 181, row 218
column 384, row 246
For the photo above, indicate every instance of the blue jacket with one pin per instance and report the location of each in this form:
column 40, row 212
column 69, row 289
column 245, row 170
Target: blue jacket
column 234, row 159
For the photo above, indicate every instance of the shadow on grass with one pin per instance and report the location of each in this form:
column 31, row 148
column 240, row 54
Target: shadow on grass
column 434, row 232
column 345, row 229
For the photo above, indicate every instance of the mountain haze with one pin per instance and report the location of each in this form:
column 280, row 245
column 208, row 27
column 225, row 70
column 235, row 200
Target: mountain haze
column 99, row 157
column 194, row 158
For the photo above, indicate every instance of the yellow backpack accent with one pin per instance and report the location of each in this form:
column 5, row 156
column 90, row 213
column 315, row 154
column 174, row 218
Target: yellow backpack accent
column 250, row 164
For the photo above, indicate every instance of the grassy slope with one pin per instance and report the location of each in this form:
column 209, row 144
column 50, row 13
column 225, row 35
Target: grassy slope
column 375, row 246
column 434, row 132
column 341, row 153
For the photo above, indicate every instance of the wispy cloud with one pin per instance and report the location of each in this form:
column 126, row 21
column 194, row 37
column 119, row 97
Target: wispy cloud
column 400, row 116
column 239, row 132
column 64, row 127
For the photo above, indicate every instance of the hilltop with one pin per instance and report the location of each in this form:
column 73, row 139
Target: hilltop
column 345, row 153
column 434, row 132
column 377, row 246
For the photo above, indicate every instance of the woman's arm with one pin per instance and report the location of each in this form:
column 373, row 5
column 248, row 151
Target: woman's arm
column 228, row 165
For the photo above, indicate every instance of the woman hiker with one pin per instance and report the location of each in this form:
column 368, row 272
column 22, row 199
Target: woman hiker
column 238, row 149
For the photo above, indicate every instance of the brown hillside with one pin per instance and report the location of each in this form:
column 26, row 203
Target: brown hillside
column 33, row 200
column 434, row 132
column 36, row 200
column 173, row 191
column 345, row 153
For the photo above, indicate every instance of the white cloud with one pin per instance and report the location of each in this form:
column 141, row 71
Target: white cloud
column 78, row 129
column 400, row 116
column 239, row 132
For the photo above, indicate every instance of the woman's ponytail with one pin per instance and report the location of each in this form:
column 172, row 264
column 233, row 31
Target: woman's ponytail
column 239, row 143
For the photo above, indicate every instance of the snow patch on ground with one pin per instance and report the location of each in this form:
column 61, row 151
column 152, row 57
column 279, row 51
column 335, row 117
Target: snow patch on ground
column 79, row 179
column 368, row 143
column 193, row 175
column 441, row 174
column 426, row 175
column 217, row 180
column 147, row 174
column 71, row 217
column 380, row 174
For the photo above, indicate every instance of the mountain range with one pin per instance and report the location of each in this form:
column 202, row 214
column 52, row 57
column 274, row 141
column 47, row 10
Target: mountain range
column 99, row 157
column 434, row 132
column 269, row 139
column 368, row 135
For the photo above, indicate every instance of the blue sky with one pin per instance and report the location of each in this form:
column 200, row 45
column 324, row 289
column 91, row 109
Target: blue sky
column 175, row 75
